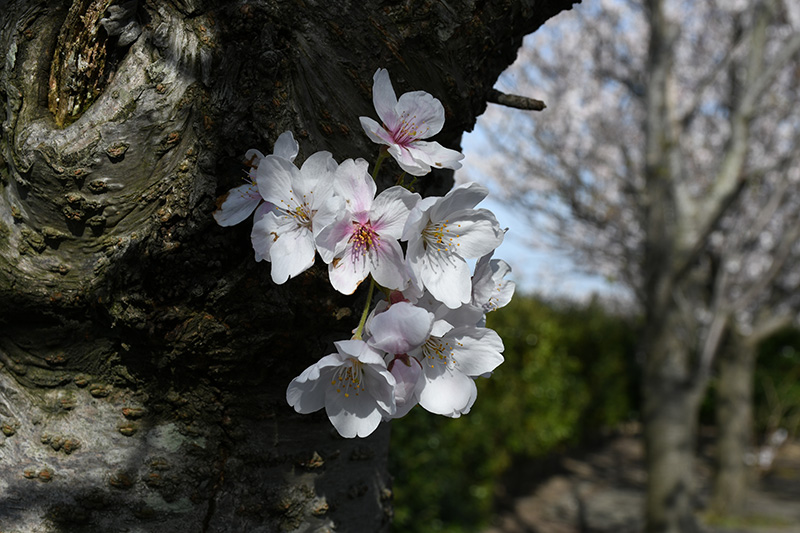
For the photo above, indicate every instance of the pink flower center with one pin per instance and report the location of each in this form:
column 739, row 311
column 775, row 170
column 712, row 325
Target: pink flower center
column 364, row 238
column 407, row 131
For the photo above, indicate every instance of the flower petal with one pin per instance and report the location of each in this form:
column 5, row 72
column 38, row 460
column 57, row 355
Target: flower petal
column 355, row 185
column 306, row 392
column 237, row 205
column 291, row 253
column 384, row 98
column 286, row 147
column 407, row 161
column 445, row 275
column 475, row 350
column 387, row 265
column 375, row 131
column 450, row 394
column 423, row 114
column 472, row 233
column 347, row 271
column 332, row 240
column 436, row 155
column 390, row 210
column 401, row 328
column 275, row 178
column 352, row 416
column 464, row 196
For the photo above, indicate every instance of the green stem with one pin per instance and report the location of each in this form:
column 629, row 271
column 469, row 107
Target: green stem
column 365, row 313
column 381, row 156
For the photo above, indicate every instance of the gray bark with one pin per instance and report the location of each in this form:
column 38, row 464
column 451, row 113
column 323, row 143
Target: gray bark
column 144, row 354
column 734, row 411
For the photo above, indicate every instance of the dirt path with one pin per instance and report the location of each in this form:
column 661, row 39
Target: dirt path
column 603, row 491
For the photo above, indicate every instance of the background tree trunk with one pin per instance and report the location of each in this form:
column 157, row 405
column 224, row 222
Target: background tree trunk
column 144, row 354
column 734, row 410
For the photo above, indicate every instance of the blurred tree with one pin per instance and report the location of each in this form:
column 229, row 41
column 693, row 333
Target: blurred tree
column 144, row 355
column 672, row 170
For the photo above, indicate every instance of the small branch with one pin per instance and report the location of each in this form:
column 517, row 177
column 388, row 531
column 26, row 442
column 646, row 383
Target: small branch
column 513, row 100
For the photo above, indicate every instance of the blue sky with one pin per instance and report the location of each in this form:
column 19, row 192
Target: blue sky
column 536, row 270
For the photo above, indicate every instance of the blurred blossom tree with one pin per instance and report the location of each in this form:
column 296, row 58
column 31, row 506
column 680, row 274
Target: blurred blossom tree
column 672, row 170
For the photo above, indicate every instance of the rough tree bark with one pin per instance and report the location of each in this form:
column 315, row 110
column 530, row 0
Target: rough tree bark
column 144, row 354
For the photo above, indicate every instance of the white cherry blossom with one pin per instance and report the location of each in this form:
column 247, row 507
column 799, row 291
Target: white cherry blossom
column 399, row 330
column 451, row 357
column 444, row 231
column 238, row 203
column 415, row 116
column 353, row 385
column 299, row 203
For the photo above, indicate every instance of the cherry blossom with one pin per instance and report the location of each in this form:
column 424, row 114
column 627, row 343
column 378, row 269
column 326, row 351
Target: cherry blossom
column 490, row 289
column 450, row 358
column 238, row 203
column 444, row 231
column 415, row 116
column 363, row 240
column 299, row 203
column 353, row 385
column 426, row 343
column 400, row 329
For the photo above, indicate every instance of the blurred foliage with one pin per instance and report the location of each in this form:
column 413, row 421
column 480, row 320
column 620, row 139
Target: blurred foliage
column 777, row 384
column 569, row 373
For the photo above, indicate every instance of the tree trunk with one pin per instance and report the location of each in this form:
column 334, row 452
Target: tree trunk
column 734, row 406
column 670, row 410
column 144, row 354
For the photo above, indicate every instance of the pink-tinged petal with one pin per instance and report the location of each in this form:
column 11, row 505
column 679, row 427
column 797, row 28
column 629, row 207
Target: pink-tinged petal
column 346, row 272
column 420, row 114
column 332, row 240
column 355, row 185
column 375, row 131
column 410, row 381
column 275, row 178
column 291, row 253
column 286, row 147
column 401, row 328
column 407, row 162
column 465, row 196
column 387, row 265
column 390, row 210
column 446, row 276
column 475, row 351
column 306, row 392
column 450, row 394
column 472, row 233
column 384, row 98
column 436, row 155
column 237, row 205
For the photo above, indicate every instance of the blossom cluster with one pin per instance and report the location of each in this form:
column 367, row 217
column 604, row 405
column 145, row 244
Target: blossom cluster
column 426, row 342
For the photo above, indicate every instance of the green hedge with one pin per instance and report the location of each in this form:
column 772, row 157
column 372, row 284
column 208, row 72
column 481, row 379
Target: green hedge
column 569, row 373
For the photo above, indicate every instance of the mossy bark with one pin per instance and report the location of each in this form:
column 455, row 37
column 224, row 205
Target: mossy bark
column 144, row 353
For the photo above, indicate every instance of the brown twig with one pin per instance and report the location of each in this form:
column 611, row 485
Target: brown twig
column 513, row 100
